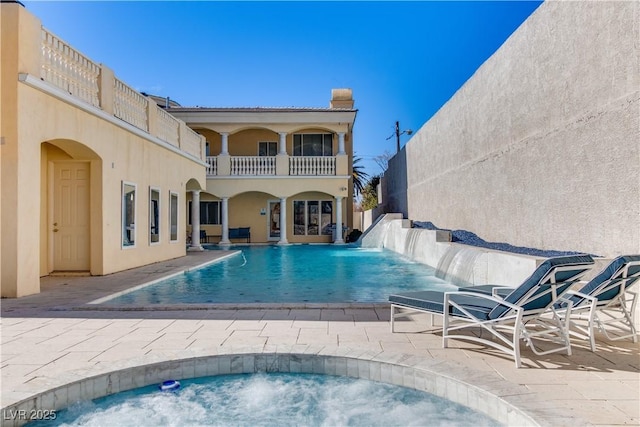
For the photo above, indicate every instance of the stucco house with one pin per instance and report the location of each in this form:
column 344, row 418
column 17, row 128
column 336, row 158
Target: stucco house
column 282, row 172
column 96, row 177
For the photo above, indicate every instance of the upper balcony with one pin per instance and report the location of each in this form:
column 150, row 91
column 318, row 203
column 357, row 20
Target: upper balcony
column 279, row 165
column 279, row 142
column 62, row 71
column 276, row 141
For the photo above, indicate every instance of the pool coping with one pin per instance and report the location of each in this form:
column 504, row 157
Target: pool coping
column 169, row 276
column 485, row 392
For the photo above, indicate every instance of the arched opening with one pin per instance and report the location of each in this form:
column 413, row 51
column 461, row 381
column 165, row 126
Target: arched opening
column 71, row 208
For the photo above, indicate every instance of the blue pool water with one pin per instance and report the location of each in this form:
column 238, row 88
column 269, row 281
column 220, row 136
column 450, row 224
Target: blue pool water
column 272, row 400
column 293, row 274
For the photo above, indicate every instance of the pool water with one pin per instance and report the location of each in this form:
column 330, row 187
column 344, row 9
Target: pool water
column 293, row 274
column 272, row 400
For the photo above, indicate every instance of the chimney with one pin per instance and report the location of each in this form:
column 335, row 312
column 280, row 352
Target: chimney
column 341, row 99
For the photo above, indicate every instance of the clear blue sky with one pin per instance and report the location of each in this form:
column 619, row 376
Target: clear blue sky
column 403, row 60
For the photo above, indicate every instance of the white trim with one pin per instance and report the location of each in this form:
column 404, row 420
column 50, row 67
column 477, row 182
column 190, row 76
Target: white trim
column 50, row 215
column 134, row 231
column 159, row 222
column 177, row 239
column 84, row 106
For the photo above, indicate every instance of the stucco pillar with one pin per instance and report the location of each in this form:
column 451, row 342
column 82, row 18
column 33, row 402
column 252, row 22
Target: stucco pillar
column 282, row 158
column 342, row 165
column 282, row 146
column 152, row 117
column 195, row 221
column 20, row 156
column 339, row 240
column 105, row 86
column 341, row 143
column 224, row 160
column 225, row 222
column 225, row 143
column 283, row 222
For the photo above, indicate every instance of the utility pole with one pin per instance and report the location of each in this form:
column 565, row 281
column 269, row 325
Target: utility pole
column 397, row 133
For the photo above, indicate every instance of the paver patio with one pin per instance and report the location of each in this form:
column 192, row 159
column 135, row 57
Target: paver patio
column 52, row 336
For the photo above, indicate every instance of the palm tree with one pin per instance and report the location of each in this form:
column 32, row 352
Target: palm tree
column 359, row 176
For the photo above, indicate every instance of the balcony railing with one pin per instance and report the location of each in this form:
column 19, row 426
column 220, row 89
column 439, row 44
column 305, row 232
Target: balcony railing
column 68, row 69
column 212, row 165
column 312, row 165
column 225, row 165
column 129, row 105
column 77, row 75
column 168, row 128
column 253, row 165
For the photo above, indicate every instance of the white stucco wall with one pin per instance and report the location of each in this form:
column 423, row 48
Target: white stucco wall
column 541, row 146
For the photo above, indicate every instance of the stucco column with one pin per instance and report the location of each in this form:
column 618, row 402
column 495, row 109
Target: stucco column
column 282, row 158
column 283, row 222
column 341, row 143
column 339, row 240
column 282, row 146
column 225, row 143
column 195, row 221
column 225, row 222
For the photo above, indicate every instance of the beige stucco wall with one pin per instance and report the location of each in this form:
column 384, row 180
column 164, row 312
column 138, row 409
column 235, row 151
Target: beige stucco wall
column 40, row 129
column 245, row 211
column 116, row 155
column 541, row 147
column 16, row 179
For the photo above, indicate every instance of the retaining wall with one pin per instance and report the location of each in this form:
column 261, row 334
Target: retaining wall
column 541, row 146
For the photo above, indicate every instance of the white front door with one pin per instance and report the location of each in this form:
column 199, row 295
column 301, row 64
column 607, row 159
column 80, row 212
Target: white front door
column 71, row 216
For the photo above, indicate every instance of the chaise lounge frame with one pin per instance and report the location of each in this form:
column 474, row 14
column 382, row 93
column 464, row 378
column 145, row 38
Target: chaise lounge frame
column 606, row 303
column 529, row 312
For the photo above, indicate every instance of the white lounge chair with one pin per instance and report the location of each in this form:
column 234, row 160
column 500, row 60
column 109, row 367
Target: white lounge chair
column 606, row 303
column 521, row 313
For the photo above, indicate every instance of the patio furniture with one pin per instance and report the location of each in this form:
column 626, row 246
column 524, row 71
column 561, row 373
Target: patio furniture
column 240, row 233
column 605, row 303
column 519, row 314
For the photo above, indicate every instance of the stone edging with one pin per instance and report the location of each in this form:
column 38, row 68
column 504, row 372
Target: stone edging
column 485, row 392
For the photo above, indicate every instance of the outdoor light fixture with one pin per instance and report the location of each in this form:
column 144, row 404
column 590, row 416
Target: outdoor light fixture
column 397, row 133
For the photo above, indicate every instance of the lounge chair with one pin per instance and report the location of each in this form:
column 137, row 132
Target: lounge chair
column 519, row 314
column 605, row 302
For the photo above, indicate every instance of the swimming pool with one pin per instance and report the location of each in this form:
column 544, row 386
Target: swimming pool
column 293, row 274
column 276, row 399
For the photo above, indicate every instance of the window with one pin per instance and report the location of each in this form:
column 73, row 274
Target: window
column 128, row 214
column 313, row 144
column 312, row 217
column 154, row 215
column 209, row 213
column 173, row 216
column 267, row 148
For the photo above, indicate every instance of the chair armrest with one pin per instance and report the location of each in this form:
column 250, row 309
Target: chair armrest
column 497, row 300
column 580, row 294
column 495, row 290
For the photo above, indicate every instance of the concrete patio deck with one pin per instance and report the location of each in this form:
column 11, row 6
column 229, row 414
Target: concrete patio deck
column 54, row 338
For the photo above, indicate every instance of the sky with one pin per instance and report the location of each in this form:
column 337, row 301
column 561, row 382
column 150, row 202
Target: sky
column 403, row 60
